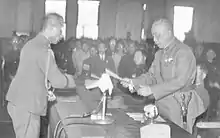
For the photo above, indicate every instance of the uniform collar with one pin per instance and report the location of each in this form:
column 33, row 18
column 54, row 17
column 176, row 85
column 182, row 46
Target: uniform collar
column 170, row 45
column 44, row 40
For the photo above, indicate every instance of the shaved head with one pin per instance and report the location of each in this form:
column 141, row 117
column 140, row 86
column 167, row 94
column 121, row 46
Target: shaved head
column 164, row 24
column 52, row 20
column 162, row 31
column 52, row 25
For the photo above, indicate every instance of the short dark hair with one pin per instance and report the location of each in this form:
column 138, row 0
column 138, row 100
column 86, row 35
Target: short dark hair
column 48, row 20
column 101, row 43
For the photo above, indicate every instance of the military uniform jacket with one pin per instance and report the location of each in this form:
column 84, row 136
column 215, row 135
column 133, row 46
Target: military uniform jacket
column 172, row 73
column 28, row 88
column 173, row 69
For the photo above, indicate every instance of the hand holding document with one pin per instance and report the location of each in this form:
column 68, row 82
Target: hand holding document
column 127, row 83
column 104, row 84
column 112, row 74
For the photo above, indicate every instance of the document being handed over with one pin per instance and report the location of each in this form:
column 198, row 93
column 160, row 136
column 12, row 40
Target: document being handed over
column 104, row 83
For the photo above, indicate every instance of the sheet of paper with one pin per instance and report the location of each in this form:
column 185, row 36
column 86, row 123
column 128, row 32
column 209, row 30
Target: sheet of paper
column 136, row 116
column 140, row 117
column 160, row 119
column 94, row 76
column 104, row 83
column 90, row 84
column 112, row 74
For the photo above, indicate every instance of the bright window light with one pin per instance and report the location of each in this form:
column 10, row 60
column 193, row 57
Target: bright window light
column 183, row 18
column 87, row 19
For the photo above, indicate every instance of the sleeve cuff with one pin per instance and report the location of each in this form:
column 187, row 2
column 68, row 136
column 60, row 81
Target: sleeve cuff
column 67, row 81
column 153, row 95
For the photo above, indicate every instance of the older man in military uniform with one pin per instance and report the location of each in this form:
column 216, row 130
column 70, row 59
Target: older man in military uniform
column 170, row 78
column 27, row 95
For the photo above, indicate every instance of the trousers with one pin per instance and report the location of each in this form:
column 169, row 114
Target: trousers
column 25, row 123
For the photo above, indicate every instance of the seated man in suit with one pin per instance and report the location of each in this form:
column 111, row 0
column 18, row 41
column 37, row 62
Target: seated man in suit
column 127, row 65
column 88, row 62
column 100, row 62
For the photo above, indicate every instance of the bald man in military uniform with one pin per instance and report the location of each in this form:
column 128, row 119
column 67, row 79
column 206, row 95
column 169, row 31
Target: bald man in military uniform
column 173, row 70
column 27, row 94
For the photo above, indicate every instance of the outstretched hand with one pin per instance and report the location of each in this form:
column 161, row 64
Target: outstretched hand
column 127, row 83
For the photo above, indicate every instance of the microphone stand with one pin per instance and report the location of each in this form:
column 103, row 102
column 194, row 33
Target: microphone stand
column 105, row 119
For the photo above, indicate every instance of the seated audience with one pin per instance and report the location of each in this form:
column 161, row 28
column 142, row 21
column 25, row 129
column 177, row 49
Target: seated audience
column 127, row 66
column 140, row 57
column 118, row 55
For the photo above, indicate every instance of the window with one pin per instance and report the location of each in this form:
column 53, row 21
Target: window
column 87, row 19
column 143, row 35
column 58, row 6
column 183, row 18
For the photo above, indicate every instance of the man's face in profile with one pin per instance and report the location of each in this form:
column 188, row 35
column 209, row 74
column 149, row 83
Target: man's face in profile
column 161, row 35
column 57, row 31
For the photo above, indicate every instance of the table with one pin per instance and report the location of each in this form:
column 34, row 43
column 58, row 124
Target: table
column 123, row 127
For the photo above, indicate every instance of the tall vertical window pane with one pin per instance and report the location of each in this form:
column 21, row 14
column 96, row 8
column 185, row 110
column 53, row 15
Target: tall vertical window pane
column 87, row 19
column 183, row 18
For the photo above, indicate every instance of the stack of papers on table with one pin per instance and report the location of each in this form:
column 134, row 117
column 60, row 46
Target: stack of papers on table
column 140, row 117
column 160, row 119
column 136, row 116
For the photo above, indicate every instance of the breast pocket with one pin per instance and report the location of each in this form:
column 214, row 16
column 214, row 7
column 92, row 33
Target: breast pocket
column 167, row 68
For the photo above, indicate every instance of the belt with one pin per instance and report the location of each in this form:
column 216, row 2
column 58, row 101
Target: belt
column 188, row 88
column 183, row 100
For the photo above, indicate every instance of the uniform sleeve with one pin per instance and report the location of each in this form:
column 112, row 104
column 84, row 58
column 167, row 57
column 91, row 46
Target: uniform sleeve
column 56, row 78
column 144, row 79
column 185, row 67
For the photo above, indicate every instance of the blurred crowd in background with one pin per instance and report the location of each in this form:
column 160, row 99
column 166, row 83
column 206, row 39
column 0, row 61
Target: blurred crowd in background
column 131, row 58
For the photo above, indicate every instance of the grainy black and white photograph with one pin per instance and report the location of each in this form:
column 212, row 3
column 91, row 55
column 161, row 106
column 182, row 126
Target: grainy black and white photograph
column 109, row 69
